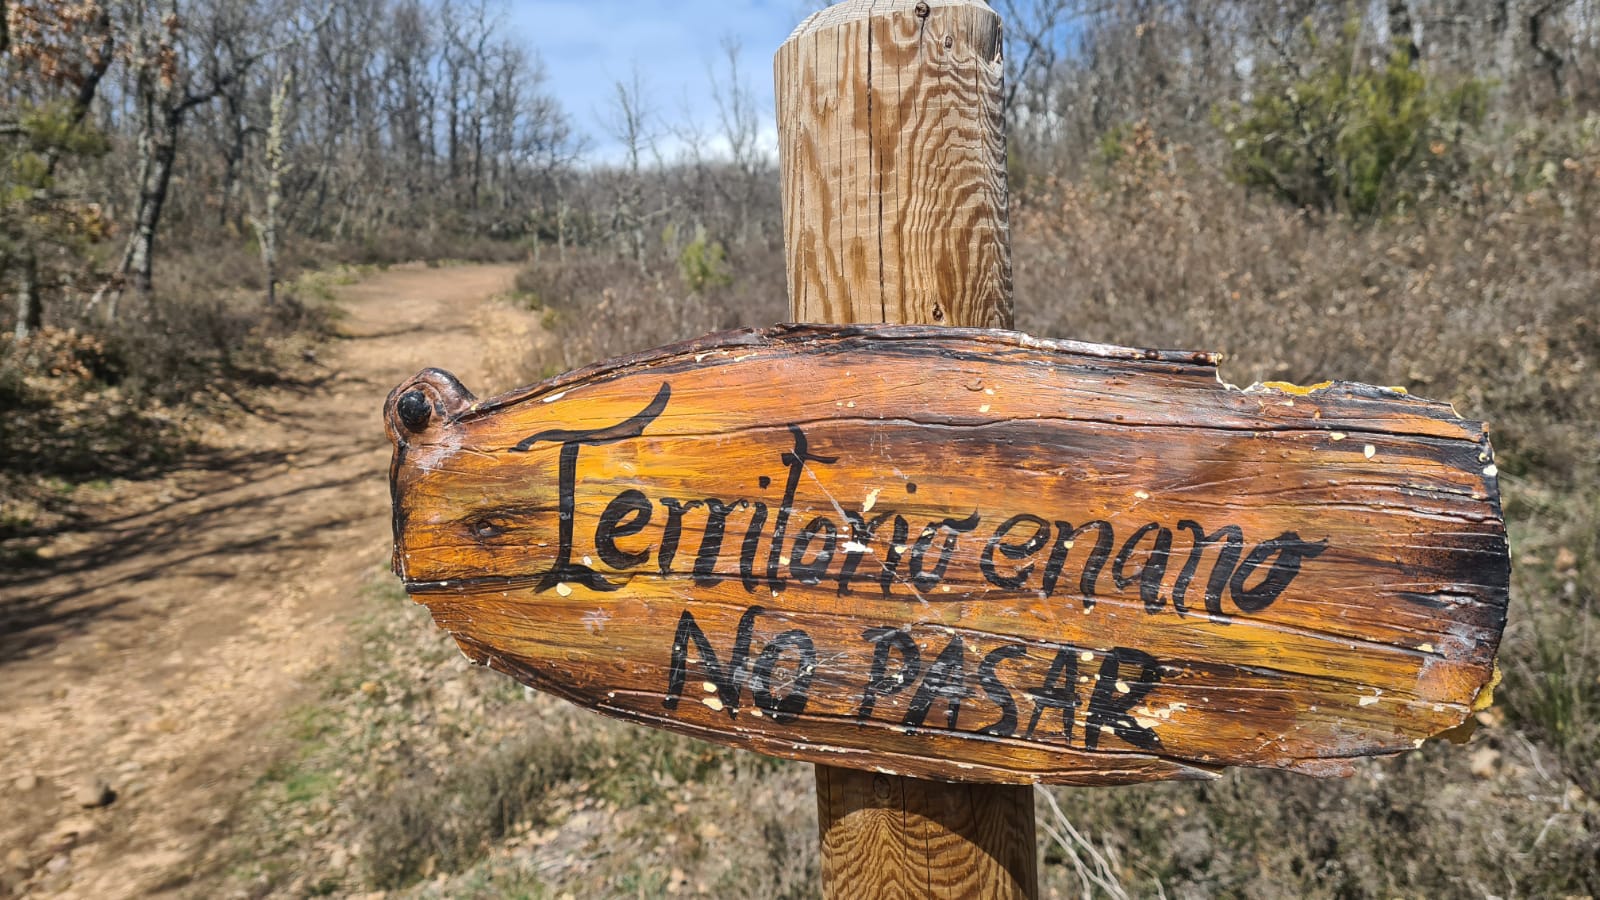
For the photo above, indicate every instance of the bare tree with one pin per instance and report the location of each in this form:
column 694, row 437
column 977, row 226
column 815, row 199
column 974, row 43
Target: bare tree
column 178, row 64
column 630, row 124
column 740, row 120
column 273, row 170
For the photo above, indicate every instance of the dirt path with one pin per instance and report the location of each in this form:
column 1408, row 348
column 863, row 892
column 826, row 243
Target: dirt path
column 162, row 647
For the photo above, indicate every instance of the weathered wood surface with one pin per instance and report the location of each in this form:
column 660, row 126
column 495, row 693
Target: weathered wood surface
column 964, row 555
column 900, row 837
column 892, row 132
column 894, row 193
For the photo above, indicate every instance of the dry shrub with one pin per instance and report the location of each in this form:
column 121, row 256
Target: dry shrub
column 204, row 335
column 1492, row 307
column 174, row 349
column 118, row 398
column 403, row 245
column 64, row 420
column 1437, row 823
column 601, row 307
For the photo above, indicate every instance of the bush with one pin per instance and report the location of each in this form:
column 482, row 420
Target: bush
column 41, row 219
column 65, row 421
column 703, row 264
column 1349, row 135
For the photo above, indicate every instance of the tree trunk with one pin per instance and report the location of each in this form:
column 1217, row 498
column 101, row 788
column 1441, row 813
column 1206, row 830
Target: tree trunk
column 561, row 231
column 1402, row 33
column 229, row 211
column 30, row 310
column 1549, row 60
column 1505, row 53
column 267, row 224
column 158, row 150
column 477, row 163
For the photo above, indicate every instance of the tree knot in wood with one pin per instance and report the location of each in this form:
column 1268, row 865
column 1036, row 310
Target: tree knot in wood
column 432, row 397
column 415, row 410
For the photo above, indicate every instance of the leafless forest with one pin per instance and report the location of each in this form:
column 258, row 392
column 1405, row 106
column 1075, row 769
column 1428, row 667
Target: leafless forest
column 1403, row 192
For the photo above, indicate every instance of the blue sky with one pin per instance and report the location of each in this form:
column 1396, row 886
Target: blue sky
column 589, row 45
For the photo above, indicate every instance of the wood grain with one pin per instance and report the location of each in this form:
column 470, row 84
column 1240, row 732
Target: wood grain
column 912, row 838
column 895, row 211
column 890, row 125
column 1282, row 579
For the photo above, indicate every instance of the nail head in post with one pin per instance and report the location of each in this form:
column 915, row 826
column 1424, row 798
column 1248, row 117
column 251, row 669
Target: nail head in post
column 415, row 410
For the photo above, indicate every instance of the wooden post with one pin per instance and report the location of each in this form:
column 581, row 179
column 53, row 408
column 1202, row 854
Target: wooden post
column 892, row 133
column 892, row 136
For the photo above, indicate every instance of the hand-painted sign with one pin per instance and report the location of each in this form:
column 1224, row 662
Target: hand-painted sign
column 967, row 555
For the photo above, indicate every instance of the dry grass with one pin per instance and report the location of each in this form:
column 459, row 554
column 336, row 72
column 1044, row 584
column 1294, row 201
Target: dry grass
column 1492, row 307
column 418, row 774
column 602, row 308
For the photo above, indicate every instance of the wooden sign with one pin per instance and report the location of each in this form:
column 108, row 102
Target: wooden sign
column 964, row 555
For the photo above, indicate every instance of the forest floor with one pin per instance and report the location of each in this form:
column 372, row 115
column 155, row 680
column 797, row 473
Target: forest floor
column 155, row 654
